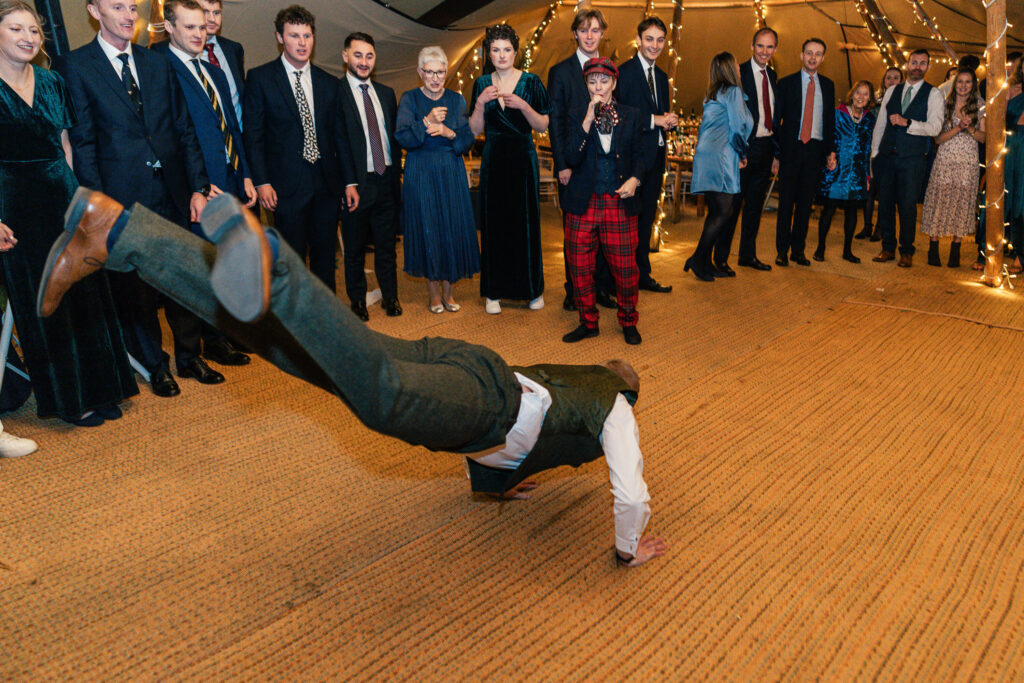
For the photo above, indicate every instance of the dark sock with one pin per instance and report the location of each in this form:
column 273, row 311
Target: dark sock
column 118, row 228
column 275, row 246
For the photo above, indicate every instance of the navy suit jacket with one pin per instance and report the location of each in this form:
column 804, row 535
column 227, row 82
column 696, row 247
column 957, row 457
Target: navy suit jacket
column 568, row 92
column 114, row 147
column 357, row 138
column 754, row 104
column 274, row 138
column 634, row 91
column 205, row 119
column 582, row 152
column 789, row 108
column 236, row 62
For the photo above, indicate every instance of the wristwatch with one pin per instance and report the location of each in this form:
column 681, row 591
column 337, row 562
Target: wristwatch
column 204, row 190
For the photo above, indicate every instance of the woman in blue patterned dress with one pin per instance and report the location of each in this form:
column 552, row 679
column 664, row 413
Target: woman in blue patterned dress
column 847, row 185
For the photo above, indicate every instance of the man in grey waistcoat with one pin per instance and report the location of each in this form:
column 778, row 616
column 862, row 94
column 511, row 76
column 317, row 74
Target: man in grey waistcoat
column 444, row 394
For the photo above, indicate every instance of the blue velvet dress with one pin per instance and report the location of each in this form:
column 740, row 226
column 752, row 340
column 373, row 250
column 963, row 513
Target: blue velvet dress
column 721, row 143
column 849, row 180
column 437, row 213
column 76, row 357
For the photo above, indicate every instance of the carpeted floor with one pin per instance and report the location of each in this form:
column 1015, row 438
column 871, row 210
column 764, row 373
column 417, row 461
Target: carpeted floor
column 833, row 453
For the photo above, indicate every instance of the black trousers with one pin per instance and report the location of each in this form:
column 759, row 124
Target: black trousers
column 650, row 193
column 900, row 182
column 798, row 182
column 754, row 180
column 850, row 209
column 374, row 220
column 309, row 223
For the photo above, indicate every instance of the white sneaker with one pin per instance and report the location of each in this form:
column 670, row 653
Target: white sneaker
column 12, row 446
column 537, row 303
column 492, row 306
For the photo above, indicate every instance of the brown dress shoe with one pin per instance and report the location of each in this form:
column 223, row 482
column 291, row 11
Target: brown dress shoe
column 80, row 250
column 884, row 256
column 906, row 260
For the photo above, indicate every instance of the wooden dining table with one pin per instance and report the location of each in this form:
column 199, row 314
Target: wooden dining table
column 681, row 164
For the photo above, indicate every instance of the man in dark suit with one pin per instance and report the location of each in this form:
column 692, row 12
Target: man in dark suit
column 296, row 144
column 134, row 141
column 208, row 98
column 224, row 53
column 567, row 92
column 643, row 86
column 759, row 85
column 805, row 117
column 370, row 109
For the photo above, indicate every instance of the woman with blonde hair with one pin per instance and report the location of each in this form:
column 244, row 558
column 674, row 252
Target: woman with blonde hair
column 721, row 153
column 437, row 214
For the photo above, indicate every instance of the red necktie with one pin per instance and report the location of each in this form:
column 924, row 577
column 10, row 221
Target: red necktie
column 210, row 57
column 766, row 101
column 808, row 122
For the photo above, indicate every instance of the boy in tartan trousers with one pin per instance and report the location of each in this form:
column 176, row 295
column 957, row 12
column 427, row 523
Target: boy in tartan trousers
column 605, row 153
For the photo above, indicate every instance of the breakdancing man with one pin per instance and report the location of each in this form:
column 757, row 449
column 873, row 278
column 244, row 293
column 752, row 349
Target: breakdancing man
column 444, row 394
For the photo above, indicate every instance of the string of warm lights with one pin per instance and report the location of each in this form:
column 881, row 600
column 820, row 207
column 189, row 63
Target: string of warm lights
column 759, row 21
column 526, row 59
column 874, row 19
column 932, row 25
column 996, row 272
column 675, row 29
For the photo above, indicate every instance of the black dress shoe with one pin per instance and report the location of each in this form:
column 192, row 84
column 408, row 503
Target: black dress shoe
column 110, row 412
column 225, row 353
column 392, row 308
column 607, row 300
column 863, row 234
column 163, row 384
column 580, row 333
column 652, row 285
column 568, row 304
column 818, row 256
column 632, row 336
column 723, row 270
column 93, row 419
column 198, row 369
column 875, row 237
column 359, row 308
column 753, row 263
column 782, row 261
column 801, row 259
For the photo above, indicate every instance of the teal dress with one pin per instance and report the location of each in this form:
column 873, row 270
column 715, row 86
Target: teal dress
column 510, row 255
column 1014, row 172
column 76, row 358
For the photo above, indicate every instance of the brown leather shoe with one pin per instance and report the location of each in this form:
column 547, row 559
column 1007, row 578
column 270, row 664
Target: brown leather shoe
column 906, row 260
column 80, row 250
column 241, row 274
column 884, row 256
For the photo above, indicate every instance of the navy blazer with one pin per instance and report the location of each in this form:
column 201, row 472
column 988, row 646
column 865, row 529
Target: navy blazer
column 754, row 104
column 357, row 137
column 633, row 90
column 581, row 156
column 114, row 147
column 568, row 92
column 789, row 108
column 205, row 119
column 274, row 137
column 236, row 62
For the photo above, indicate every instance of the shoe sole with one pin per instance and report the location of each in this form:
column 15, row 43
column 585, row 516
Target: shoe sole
column 72, row 217
column 241, row 273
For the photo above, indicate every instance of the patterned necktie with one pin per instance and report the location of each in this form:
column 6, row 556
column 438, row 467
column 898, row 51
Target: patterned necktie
column 134, row 94
column 310, row 150
column 210, row 57
column 906, row 98
column 373, row 128
column 650, row 84
column 229, row 141
column 805, row 127
column 766, row 100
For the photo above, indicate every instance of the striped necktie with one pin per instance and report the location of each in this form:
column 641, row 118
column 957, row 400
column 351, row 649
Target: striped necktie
column 229, row 141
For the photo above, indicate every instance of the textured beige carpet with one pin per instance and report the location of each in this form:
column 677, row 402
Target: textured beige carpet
column 834, row 455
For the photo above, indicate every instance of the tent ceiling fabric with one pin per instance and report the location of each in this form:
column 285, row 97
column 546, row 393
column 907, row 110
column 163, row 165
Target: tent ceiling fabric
column 709, row 26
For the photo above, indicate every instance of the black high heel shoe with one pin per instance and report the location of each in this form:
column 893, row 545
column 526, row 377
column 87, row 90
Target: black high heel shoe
column 699, row 271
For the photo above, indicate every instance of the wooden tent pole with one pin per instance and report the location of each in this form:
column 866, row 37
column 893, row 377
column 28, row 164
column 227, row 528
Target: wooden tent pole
column 156, row 22
column 922, row 16
column 995, row 139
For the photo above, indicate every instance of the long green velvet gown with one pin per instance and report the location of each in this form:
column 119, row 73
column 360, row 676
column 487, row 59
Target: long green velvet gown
column 510, row 258
column 76, row 357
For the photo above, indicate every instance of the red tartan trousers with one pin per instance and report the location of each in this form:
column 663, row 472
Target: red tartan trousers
column 605, row 221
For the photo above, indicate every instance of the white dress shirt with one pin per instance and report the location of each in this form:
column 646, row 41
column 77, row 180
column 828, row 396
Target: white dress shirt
column 306, row 79
column 931, row 127
column 112, row 54
column 218, row 52
column 582, row 56
column 357, row 93
column 186, row 58
column 620, row 439
column 816, row 123
column 758, row 70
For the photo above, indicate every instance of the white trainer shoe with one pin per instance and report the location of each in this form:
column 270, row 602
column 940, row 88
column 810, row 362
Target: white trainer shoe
column 537, row 303
column 492, row 306
column 12, row 446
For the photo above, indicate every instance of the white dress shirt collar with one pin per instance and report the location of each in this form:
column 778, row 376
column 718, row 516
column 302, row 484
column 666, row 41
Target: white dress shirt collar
column 647, row 65
column 582, row 56
column 112, row 52
column 183, row 56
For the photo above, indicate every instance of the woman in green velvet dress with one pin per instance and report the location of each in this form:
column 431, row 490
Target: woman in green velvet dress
column 509, row 104
column 76, row 359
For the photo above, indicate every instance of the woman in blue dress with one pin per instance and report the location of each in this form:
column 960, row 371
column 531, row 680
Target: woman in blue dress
column 721, row 153
column 846, row 186
column 440, row 233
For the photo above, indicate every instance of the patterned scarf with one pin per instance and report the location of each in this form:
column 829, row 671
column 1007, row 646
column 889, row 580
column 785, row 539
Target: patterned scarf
column 606, row 117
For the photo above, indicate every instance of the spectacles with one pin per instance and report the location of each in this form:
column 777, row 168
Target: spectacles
column 434, row 74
